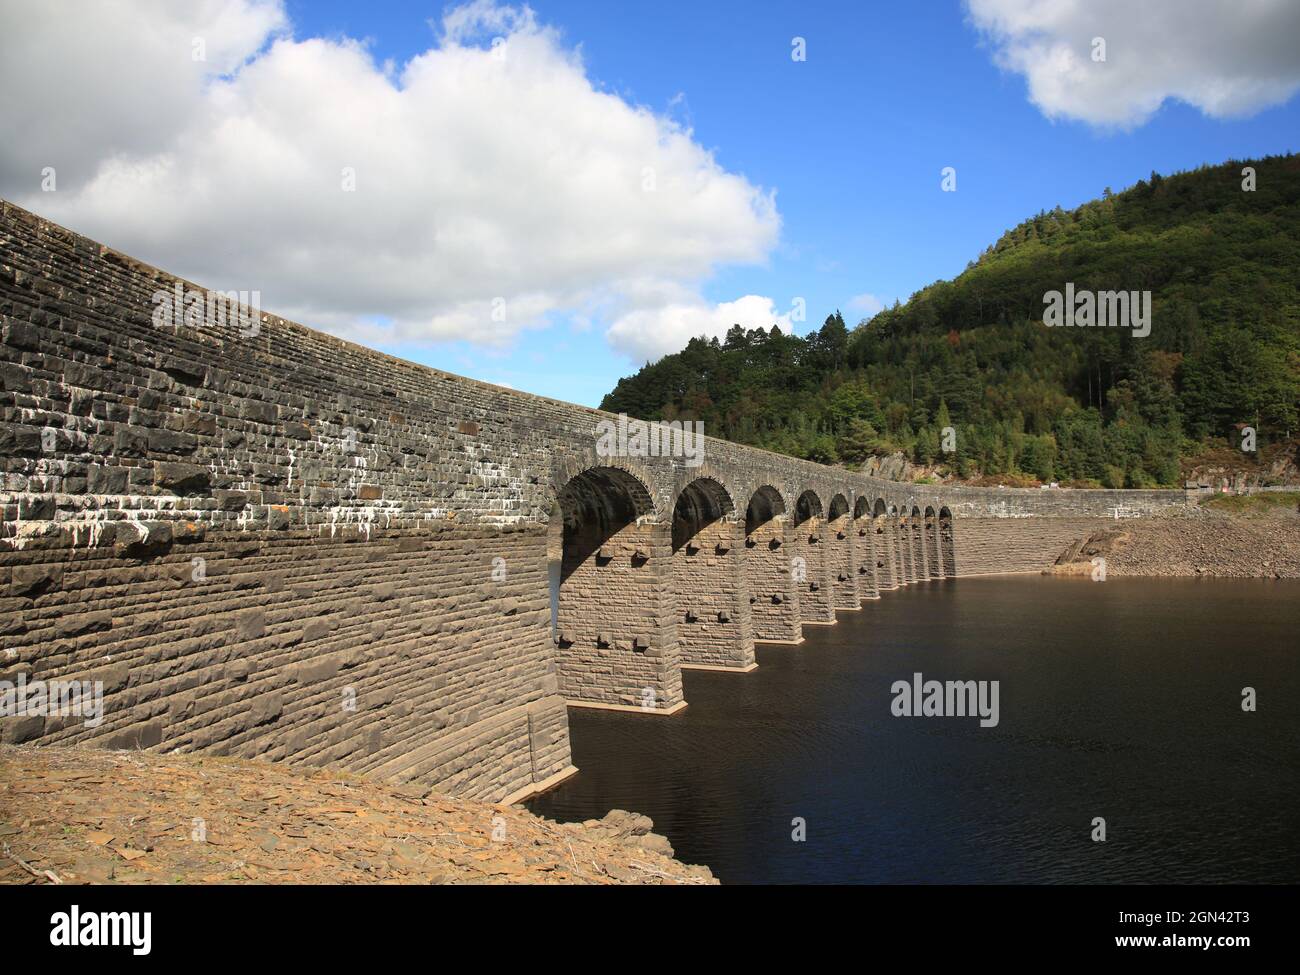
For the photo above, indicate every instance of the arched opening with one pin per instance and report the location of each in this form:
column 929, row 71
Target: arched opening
column 947, row 549
column 712, row 600
column 919, row 560
column 773, row 598
column 839, row 554
column 810, row 564
column 617, row 644
column 883, row 546
column 864, row 550
column 933, row 556
column 703, row 503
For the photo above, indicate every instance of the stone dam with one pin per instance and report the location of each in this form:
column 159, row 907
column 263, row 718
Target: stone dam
column 271, row 543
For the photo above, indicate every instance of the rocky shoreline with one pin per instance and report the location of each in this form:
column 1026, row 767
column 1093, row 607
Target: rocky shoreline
column 1205, row 542
column 80, row 815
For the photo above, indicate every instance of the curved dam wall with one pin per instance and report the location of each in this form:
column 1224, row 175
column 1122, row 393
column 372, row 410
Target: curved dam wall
column 260, row 540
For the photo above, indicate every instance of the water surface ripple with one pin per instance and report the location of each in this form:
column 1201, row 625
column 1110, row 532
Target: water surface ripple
column 1119, row 699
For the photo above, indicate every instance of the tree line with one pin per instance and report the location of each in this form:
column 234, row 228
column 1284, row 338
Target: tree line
column 972, row 357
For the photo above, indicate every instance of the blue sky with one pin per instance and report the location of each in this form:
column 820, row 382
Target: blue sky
column 849, row 143
column 853, row 140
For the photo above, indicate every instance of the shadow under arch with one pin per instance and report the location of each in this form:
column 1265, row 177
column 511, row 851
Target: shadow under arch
column 701, row 503
column 595, row 505
column 765, row 504
column 807, row 507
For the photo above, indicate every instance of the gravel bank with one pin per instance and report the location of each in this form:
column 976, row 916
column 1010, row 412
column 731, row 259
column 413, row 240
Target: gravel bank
column 84, row 815
column 1203, row 543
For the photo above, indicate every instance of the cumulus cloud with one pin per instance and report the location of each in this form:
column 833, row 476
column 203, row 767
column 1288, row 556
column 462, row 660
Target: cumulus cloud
column 1229, row 60
column 866, row 303
column 647, row 334
column 496, row 185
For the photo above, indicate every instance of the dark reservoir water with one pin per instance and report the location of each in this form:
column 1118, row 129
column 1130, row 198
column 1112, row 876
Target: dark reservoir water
column 1119, row 700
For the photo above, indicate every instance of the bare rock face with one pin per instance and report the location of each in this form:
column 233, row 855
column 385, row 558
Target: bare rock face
column 1231, row 470
column 1103, row 543
column 892, row 467
column 630, row 829
column 896, row 467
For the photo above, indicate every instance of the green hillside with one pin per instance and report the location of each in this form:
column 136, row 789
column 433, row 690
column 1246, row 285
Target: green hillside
column 1078, row 405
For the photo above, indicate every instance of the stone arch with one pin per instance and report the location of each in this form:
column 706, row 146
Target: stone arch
column 701, row 503
column 946, row 547
column 773, row 597
column 841, row 552
column 920, row 560
column 810, row 560
column 615, row 630
column 716, row 480
column 934, row 557
column 883, row 546
column 808, row 506
column 839, row 508
column 714, row 627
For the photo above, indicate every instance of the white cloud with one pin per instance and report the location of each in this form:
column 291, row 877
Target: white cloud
column 496, row 184
column 1228, row 59
column 866, row 303
column 647, row 334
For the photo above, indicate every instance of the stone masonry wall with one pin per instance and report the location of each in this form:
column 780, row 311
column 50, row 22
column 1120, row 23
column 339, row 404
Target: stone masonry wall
column 815, row 594
column 714, row 615
column 775, row 598
column 617, row 623
column 865, row 556
column 946, row 548
column 268, row 541
column 885, row 556
column 994, row 545
column 905, row 551
column 920, row 557
column 932, row 546
column 840, row 538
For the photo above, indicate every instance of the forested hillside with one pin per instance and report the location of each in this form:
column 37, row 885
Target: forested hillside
column 1078, row 405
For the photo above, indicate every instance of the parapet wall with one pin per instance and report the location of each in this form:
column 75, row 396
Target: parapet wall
column 287, row 545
